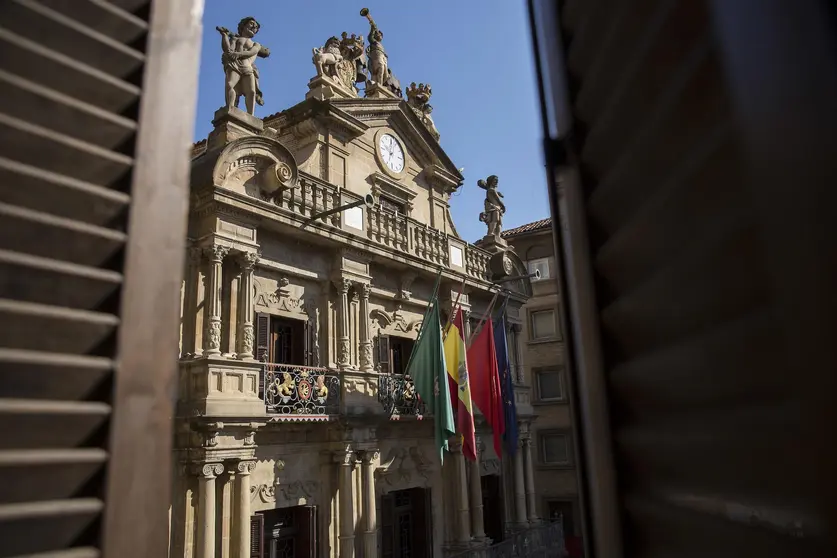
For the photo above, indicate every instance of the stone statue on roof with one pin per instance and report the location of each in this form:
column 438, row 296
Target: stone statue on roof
column 418, row 99
column 239, row 52
column 340, row 63
column 492, row 215
column 378, row 60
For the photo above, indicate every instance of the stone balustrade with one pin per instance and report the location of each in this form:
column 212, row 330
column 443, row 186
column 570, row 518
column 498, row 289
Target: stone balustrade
column 383, row 226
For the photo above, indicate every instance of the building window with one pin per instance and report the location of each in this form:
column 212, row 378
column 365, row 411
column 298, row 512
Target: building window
column 555, row 449
column 562, row 510
column 541, row 265
column 391, row 205
column 543, row 325
column 550, row 384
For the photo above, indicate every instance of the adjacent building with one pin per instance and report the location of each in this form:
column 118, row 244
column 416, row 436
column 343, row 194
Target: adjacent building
column 543, row 344
column 316, row 237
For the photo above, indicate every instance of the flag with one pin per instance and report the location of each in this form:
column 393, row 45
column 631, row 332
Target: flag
column 506, row 384
column 457, row 364
column 485, row 387
column 428, row 370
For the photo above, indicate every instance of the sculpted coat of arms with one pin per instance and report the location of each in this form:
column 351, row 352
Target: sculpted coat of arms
column 343, row 60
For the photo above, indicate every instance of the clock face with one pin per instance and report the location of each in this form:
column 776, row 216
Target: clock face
column 391, row 153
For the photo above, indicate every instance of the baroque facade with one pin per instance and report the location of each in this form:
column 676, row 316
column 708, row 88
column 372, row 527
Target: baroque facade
column 297, row 432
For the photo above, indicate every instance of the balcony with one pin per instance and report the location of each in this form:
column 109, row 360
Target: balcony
column 301, row 393
column 542, row 541
column 399, row 398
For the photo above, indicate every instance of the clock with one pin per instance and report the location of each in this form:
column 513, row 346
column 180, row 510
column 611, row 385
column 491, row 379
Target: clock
column 392, row 155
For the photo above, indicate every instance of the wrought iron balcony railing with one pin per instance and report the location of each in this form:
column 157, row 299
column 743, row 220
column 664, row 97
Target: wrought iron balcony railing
column 542, row 541
column 302, row 391
column 399, row 397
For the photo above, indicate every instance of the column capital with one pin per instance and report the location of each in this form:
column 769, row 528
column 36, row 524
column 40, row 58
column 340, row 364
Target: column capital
column 343, row 285
column 209, row 470
column 216, row 253
column 345, row 457
column 364, row 290
column 195, row 255
column 516, row 328
column 246, row 467
column 370, row 456
column 248, row 260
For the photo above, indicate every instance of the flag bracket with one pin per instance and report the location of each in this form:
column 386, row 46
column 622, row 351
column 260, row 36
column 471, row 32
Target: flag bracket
column 367, row 200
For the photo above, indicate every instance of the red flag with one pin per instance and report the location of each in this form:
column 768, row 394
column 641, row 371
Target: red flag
column 485, row 383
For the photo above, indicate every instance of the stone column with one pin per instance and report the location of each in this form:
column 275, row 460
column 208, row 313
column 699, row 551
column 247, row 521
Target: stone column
column 529, row 474
column 206, row 503
column 190, row 303
column 463, row 524
column 227, row 513
column 343, row 351
column 243, row 511
column 370, row 536
column 346, row 460
column 246, row 336
column 519, row 487
column 475, row 486
column 365, row 339
column 212, row 338
column 518, row 352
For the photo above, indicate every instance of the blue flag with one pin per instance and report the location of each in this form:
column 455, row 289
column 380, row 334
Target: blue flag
column 506, row 384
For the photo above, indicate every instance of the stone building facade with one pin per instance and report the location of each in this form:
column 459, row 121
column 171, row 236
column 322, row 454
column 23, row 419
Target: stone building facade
column 543, row 344
column 297, row 432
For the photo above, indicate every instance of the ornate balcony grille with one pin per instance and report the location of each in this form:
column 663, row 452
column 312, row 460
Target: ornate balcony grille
column 543, row 541
column 398, row 396
column 301, row 391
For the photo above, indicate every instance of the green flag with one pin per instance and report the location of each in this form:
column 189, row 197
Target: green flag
column 428, row 370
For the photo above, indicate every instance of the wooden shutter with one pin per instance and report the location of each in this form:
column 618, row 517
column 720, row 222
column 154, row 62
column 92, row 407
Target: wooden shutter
column 257, row 536
column 387, row 536
column 262, row 344
column 690, row 148
column 422, row 523
column 307, row 343
column 383, row 353
column 306, row 538
column 95, row 126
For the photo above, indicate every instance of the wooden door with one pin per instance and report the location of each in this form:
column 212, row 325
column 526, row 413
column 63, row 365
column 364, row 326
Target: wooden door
column 95, row 127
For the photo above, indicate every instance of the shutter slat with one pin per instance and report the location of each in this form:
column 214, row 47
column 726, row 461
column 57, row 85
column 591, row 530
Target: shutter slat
column 55, row 329
column 40, row 375
column 59, row 238
column 103, row 16
column 56, row 70
column 45, row 281
column 35, row 527
column 38, row 189
column 42, row 475
column 66, row 115
column 52, row 424
column 26, row 142
column 59, row 32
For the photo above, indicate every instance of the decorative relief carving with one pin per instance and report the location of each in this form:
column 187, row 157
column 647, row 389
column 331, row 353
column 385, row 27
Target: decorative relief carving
column 247, row 339
column 394, row 320
column 366, row 360
column 216, row 253
column 246, row 467
column 297, row 490
column 214, row 331
column 490, row 467
column 250, row 439
column 344, row 351
column 248, row 260
column 282, row 299
column 397, row 470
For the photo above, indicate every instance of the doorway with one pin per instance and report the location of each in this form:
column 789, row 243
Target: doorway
column 492, row 502
column 406, row 524
column 290, row 533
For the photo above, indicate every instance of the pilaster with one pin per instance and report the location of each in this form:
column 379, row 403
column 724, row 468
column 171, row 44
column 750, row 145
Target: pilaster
column 246, row 336
column 212, row 338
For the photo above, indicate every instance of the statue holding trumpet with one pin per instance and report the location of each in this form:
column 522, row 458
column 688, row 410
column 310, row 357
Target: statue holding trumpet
column 375, row 52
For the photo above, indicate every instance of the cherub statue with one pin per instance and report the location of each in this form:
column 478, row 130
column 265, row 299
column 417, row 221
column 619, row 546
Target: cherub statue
column 378, row 60
column 239, row 55
column 494, row 207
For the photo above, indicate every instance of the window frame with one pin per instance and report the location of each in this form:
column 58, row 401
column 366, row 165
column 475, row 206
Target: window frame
column 544, row 276
column 542, row 436
column 556, row 336
column 537, row 372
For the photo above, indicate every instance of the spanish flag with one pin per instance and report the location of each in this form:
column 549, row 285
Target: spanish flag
column 457, row 366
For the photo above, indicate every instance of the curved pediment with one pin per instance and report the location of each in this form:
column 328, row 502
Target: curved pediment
column 256, row 165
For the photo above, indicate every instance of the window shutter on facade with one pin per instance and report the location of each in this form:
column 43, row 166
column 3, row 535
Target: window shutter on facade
column 692, row 171
column 308, row 343
column 257, row 536
column 383, row 353
column 95, row 124
column 262, row 344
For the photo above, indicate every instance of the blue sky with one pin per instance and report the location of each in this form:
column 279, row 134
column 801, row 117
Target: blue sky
column 476, row 54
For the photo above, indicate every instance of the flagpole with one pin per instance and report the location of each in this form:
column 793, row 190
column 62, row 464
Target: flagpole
column 453, row 310
column 424, row 319
column 484, row 317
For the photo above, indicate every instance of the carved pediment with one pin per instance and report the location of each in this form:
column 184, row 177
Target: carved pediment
column 404, row 468
column 395, row 320
column 282, row 299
